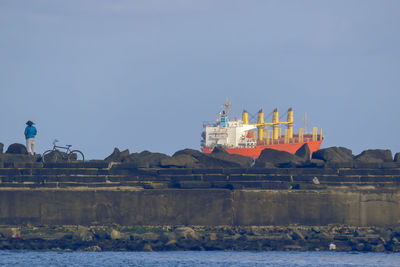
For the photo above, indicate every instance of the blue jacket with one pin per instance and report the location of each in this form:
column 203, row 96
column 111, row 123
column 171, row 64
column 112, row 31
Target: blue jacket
column 30, row 132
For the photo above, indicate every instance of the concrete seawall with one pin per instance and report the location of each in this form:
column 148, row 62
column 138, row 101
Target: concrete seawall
column 208, row 207
column 99, row 194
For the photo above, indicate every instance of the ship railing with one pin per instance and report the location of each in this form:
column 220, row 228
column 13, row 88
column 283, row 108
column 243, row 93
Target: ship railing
column 284, row 140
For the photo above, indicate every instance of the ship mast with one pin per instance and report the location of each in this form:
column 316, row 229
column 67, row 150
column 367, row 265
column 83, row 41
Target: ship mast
column 227, row 105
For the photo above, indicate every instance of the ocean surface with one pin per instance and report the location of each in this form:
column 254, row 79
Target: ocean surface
column 196, row 258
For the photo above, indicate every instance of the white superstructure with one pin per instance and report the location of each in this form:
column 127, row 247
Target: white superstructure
column 231, row 134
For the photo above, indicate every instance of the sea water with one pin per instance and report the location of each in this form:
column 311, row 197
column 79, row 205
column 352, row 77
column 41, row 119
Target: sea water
column 197, row 258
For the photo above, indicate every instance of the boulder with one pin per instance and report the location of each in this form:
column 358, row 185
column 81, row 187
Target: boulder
column 375, row 156
column 304, row 152
column 221, row 154
column 145, row 159
column 117, row 156
column 55, row 156
column 278, row 159
column 188, row 151
column 314, row 163
column 83, row 233
column 1, row 148
column 334, row 155
column 179, row 161
column 16, row 149
column 215, row 160
column 186, row 233
column 397, row 157
column 115, row 234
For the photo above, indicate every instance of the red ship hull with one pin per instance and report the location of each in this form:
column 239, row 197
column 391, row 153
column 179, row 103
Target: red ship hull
column 255, row 152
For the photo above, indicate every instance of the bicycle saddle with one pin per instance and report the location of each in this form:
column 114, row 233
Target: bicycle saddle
column 68, row 146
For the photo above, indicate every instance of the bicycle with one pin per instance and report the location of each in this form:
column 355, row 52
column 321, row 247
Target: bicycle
column 54, row 155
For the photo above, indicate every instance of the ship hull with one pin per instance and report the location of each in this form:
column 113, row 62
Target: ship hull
column 255, row 152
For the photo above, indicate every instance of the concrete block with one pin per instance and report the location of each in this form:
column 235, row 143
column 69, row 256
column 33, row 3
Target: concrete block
column 367, row 165
column 114, row 178
column 9, row 172
column 96, row 164
column 338, row 179
column 364, row 172
column 186, row 178
column 208, row 171
column 314, row 171
column 339, row 165
column 235, row 171
column 276, row 178
column 214, row 177
column 82, row 179
column 194, row 184
column 390, row 165
column 376, row 179
column 245, row 177
column 267, row 171
column 303, row 179
column 174, row 171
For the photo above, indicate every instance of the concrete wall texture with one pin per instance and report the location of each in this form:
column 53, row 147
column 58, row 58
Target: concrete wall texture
column 207, row 207
column 99, row 193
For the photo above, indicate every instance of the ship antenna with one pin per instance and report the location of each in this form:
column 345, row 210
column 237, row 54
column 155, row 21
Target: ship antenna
column 227, row 105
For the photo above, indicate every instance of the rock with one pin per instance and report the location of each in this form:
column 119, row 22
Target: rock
column 304, row 152
column 278, row 158
column 147, row 247
column 179, row 161
column 335, row 156
column 221, row 154
column 146, row 159
column 83, row 234
column 315, row 180
column 314, row 163
column 171, row 242
column 375, row 155
column 55, row 156
column 397, row 157
column 117, row 156
column 16, row 149
column 219, row 159
column 93, row 249
column 115, row 234
column 150, row 236
column 1, row 148
column 186, row 233
column 213, row 236
column 191, row 152
column 167, row 236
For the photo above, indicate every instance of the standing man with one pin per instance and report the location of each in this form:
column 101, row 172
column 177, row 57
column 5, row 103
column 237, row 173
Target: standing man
column 30, row 133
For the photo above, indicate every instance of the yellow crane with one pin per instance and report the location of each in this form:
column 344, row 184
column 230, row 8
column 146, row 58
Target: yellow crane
column 275, row 123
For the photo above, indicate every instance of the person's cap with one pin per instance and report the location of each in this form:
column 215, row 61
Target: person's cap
column 29, row 123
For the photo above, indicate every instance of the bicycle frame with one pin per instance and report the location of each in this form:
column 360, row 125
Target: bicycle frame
column 69, row 153
column 67, row 148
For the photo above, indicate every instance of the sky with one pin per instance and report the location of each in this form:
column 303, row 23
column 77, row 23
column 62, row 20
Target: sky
column 146, row 74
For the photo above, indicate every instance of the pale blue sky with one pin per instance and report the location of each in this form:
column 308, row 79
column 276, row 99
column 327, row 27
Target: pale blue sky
column 144, row 75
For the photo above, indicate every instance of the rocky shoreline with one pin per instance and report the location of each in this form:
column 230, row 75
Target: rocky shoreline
column 179, row 238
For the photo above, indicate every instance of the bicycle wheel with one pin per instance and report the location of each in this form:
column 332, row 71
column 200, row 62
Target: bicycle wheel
column 49, row 156
column 76, row 155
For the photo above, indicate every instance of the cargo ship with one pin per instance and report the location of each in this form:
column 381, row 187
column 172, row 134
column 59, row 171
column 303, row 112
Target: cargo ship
column 240, row 137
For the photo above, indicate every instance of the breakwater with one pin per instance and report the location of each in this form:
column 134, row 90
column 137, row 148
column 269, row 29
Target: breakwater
column 108, row 205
